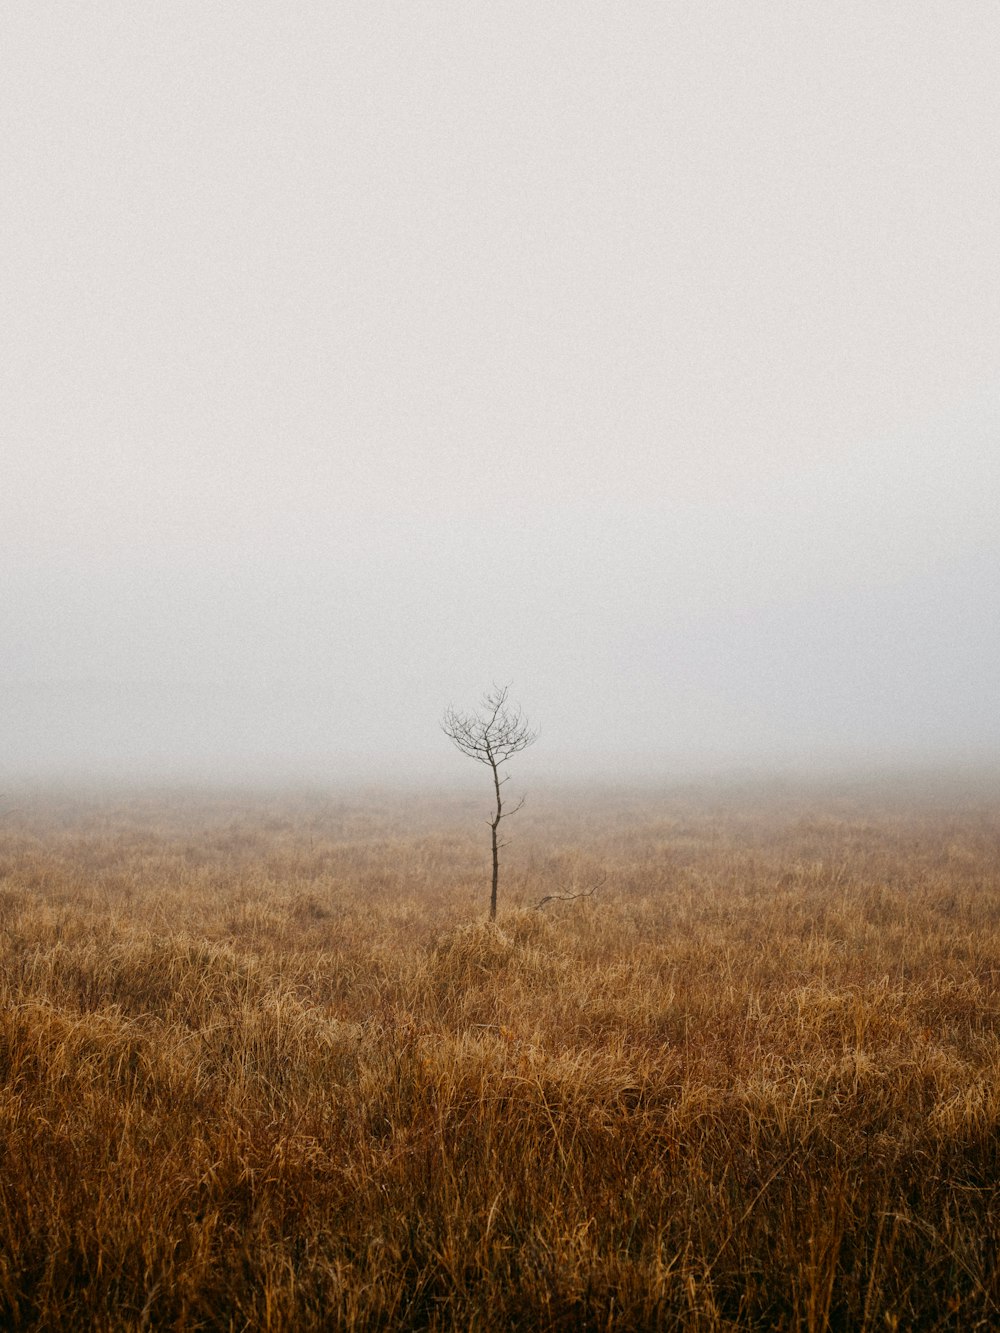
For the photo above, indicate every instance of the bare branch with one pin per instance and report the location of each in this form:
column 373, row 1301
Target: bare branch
column 519, row 806
column 568, row 897
column 492, row 734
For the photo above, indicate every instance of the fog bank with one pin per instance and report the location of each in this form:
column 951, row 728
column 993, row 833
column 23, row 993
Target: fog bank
column 358, row 357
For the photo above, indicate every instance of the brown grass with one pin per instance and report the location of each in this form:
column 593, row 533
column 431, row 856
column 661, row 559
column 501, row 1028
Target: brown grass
column 264, row 1066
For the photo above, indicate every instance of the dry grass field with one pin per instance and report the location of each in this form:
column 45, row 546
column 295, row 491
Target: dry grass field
column 264, row 1065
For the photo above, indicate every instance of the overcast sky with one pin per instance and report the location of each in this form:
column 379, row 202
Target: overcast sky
column 357, row 355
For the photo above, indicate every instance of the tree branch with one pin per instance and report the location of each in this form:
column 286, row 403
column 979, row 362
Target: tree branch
column 568, row 897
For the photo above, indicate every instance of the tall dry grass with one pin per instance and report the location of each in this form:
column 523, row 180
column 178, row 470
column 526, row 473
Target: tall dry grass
column 264, row 1066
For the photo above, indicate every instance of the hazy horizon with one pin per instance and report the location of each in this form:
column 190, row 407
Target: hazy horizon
column 357, row 357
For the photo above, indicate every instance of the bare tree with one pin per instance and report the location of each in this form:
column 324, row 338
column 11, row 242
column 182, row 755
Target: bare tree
column 491, row 734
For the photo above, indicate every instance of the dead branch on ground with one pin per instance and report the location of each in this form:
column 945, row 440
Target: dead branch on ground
column 569, row 897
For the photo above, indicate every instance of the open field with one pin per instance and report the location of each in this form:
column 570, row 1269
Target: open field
column 264, row 1064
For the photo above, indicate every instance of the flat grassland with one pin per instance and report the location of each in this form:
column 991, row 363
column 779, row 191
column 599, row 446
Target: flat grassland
column 264, row 1065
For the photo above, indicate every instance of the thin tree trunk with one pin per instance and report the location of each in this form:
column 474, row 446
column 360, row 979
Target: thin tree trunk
column 496, row 876
column 494, row 825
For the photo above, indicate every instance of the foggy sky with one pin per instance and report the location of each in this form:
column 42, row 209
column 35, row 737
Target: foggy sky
column 358, row 355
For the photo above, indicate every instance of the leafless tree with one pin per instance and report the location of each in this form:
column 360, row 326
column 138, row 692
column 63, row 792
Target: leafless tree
column 491, row 734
